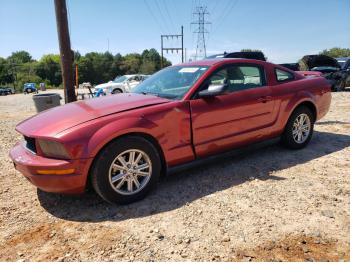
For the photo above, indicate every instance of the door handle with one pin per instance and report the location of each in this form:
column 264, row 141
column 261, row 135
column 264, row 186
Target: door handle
column 265, row 99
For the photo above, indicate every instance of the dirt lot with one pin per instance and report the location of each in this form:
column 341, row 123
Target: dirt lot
column 272, row 204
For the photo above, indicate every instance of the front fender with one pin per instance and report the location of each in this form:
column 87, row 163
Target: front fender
column 116, row 129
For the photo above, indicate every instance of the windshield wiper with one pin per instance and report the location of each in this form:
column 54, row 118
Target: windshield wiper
column 148, row 93
column 169, row 96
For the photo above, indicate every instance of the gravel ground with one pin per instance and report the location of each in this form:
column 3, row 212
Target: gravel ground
column 271, row 204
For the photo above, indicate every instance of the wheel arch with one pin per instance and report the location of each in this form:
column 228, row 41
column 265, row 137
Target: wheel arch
column 119, row 89
column 310, row 106
column 307, row 103
column 145, row 136
column 300, row 99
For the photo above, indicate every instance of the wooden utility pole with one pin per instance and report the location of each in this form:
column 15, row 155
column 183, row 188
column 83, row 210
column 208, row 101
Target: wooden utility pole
column 65, row 50
column 76, row 76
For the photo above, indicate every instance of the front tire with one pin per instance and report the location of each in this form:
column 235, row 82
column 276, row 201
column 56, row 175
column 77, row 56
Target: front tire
column 116, row 91
column 299, row 128
column 126, row 170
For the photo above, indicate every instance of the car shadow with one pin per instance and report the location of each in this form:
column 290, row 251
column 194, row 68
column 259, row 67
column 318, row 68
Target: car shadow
column 329, row 123
column 181, row 188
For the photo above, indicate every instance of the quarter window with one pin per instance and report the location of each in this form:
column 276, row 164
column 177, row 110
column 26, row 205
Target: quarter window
column 282, row 75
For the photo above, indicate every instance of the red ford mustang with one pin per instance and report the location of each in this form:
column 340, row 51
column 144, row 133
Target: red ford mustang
column 180, row 115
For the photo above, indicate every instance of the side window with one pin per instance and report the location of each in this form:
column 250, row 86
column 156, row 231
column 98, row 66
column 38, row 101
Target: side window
column 282, row 75
column 239, row 77
column 218, row 78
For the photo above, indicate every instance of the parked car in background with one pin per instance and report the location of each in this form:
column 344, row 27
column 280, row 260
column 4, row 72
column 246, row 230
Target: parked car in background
column 121, row 84
column 176, row 118
column 4, row 91
column 327, row 66
column 344, row 62
column 247, row 55
column 345, row 67
column 29, row 88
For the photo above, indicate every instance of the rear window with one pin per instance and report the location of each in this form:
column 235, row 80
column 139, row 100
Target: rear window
column 282, row 75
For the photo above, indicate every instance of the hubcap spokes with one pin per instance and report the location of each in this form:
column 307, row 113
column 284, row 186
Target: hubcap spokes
column 301, row 128
column 130, row 172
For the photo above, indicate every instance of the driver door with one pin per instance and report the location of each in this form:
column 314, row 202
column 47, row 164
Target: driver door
column 240, row 116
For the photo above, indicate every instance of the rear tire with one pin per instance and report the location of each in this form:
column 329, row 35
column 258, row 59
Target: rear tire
column 120, row 164
column 299, row 128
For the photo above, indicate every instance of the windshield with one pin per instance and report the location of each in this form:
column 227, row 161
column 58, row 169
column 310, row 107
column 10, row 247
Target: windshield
column 120, row 79
column 172, row 82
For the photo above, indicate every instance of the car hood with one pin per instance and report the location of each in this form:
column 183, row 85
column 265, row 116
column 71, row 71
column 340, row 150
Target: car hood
column 57, row 119
column 312, row 61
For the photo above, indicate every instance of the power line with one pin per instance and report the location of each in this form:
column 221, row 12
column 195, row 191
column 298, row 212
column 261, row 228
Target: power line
column 201, row 12
column 154, row 17
column 161, row 15
column 228, row 10
column 216, row 4
column 170, row 18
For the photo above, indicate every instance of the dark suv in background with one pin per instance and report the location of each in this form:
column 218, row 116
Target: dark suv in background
column 4, row 91
column 336, row 71
column 344, row 62
column 247, row 55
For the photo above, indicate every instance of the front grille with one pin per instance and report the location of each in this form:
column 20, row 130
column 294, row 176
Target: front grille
column 30, row 143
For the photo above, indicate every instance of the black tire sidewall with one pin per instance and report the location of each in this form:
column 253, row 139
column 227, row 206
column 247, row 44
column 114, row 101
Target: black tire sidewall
column 287, row 136
column 116, row 91
column 102, row 163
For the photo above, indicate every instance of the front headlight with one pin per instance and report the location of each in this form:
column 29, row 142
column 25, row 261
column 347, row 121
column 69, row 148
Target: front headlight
column 53, row 149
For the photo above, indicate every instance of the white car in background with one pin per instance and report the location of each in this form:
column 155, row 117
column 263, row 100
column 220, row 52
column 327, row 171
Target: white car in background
column 121, row 84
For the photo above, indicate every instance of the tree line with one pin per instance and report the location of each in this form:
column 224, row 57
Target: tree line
column 93, row 67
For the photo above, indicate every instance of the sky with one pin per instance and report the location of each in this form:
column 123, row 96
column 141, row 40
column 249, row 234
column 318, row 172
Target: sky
column 284, row 30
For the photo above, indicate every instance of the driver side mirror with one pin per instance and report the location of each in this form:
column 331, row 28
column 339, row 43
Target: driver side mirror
column 213, row 90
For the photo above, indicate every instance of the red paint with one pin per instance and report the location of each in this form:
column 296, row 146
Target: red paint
column 310, row 73
column 217, row 123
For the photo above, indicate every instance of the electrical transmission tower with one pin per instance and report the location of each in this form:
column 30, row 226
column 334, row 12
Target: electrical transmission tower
column 200, row 13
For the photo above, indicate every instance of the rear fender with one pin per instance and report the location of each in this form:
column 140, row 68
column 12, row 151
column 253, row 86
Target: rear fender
column 299, row 98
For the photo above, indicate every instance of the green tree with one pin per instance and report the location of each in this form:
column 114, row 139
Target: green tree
column 95, row 67
column 6, row 72
column 131, row 63
column 20, row 57
column 151, row 61
column 48, row 68
column 336, row 52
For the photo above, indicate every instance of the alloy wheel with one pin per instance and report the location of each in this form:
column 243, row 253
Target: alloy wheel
column 301, row 128
column 130, row 172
